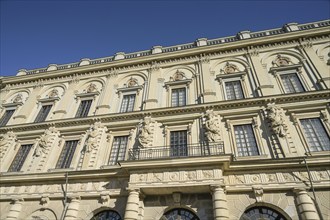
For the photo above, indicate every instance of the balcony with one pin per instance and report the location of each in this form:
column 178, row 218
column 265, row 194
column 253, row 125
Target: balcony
column 177, row 151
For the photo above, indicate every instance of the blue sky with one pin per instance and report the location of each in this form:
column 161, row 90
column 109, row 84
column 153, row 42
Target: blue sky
column 37, row 33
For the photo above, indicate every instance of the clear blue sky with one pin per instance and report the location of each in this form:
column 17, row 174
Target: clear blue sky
column 37, row 33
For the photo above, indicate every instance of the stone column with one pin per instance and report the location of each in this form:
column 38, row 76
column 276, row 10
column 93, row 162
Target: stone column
column 220, row 206
column 73, row 208
column 132, row 206
column 15, row 209
column 305, row 205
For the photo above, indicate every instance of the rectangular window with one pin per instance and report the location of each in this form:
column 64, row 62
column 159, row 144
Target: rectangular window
column 179, row 97
column 118, row 149
column 291, row 83
column 245, row 140
column 234, row 90
column 127, row 105
column 83, row 109
column 66, row 155
column 20, row 157
column 6, row 117
column 42, row 115
column 178, row 141
column 316, row 135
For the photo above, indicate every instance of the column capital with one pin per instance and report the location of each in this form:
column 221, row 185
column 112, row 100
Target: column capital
column 74, row 198
column 17, row 200
column 300, row 190
column 218, row 187
column 133, row 189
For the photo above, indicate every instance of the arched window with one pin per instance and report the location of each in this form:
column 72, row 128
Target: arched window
column 106, row 215
column 179, row 214
column 262, row 212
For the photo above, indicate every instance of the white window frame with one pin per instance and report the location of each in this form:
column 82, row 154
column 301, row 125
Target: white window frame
column 10, row 106
column 283, row 70
column 86, row 96
column 177, row 85
column 230, row 77
column 136, row 90
column 13, row 155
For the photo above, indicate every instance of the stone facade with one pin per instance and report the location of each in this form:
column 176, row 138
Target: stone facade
column 215, row 129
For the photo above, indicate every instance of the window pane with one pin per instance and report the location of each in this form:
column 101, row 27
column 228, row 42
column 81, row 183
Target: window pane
column 179, row 97
column 20, row 157
column 178, row 141
column 291, row 83
column 67, row 154
column 84, row 108
column 118, row 149
column 42, row 115
column 316, row 135
column 245, row 140
column 127, row 104
column 6, row 116
column 234, row 90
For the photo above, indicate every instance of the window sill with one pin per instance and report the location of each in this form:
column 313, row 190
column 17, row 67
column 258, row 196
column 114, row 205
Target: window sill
column 318, row 153
column 10, row 173
column 110, row 166
column 60, row 169
column 242, row 158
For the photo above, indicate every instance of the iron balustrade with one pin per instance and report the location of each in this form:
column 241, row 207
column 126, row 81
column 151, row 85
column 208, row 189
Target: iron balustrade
column 177, row 151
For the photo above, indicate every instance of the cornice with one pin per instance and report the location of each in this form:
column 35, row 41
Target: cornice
column 131, row 119
column 193, row 54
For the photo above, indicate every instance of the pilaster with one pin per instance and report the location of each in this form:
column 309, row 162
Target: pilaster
column 220, row 206
column 305, row 204
column 73, row 208
column 15, row 209
column 133, row 203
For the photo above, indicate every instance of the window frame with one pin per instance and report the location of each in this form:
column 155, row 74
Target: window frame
column 4, row 113
column 231, row 77
column 80, row 103
column 128, row 102
column 113, row 163
column 130, row 91
column 39, row 112
column 76, row 150
column 24, row 163
column 172, row 85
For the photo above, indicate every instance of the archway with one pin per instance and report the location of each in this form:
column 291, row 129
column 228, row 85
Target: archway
column 106, row 215
column 179, row 214
column 262, row 213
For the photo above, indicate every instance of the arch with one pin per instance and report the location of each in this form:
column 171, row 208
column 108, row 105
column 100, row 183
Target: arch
column 266, row 59
column 169, row 72
column 125, row 76
column 12, row 94
column 229, row 59
column 46, row 90
column 104, row 214
column 264, row 211
column 43, row 214
column 183, row 213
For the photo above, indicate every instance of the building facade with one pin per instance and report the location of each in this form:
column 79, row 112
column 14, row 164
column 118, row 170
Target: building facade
column 229, row 128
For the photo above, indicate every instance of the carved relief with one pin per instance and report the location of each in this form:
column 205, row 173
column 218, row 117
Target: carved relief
column 178, row 75
column 281, row 61
column 53, row 93
column 258, row 193
column 132, row 82
column 7, row 140
column 212, row 126
column 145, row 133
column 230, row 68
column 18, row 98
column 276, row 118
column 91, row 88
column 93, row 136
column 43, row 144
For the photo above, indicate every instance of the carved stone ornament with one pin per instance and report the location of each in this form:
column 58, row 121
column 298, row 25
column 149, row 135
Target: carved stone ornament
column 45, row 141
column 53, row 93
column 93, row 135
column 145, row 133
column 176, row 198
column 6, row 140
column 132, row 82
column 44, row 201
column 276, row 118
column 230, row 68
column 104, row 199
column 212, row 127
column 91, row 88
column 258, row 193
column 18, row 98
column 281, row 61
column 178, row 75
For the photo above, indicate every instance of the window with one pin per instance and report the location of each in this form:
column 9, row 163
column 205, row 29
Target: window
column 178, row 97
column 67, row 154
column 6, row 117
column 42, row 115
column 178, row 142
column 245, row 140
column 262, row 212
column 316, row 135
column 109, row 214
column 20, row 157
column 127, row 104
column 180, row 213
column 118, row 149
column 83, row 108
column 234, row 90
column 291, row 83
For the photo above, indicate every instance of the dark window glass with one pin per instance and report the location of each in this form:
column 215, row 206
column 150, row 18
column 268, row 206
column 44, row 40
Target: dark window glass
column 180, row 213
column 262, row 212
column 179, row 143
column 42, row 115
column 127, row 105
column 83, row 108
column 245, row 140
column 179, row 97
column 106, row 215
column 6, row 116
column 118, row 149
column 316, row 135
column 67, row 154
column 291, row 83
column 20, row 157
column 234, row 90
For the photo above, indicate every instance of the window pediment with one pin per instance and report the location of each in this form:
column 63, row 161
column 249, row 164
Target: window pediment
column 296, row 67
column 178, row 82
column 129, row 89
column 231, row 75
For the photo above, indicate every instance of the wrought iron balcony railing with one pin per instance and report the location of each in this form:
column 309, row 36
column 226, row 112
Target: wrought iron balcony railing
column 177, row 151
